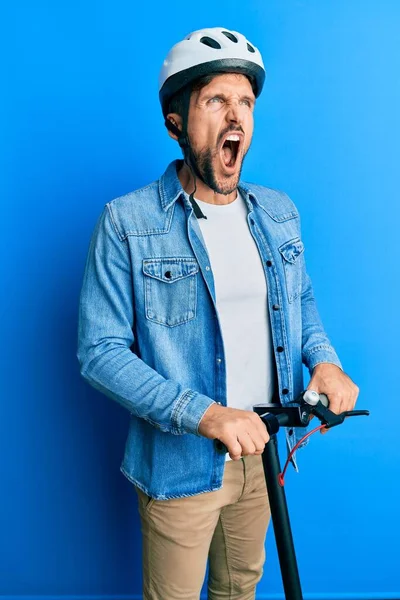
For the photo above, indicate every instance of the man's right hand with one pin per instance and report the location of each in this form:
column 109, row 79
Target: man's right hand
column 242, row 431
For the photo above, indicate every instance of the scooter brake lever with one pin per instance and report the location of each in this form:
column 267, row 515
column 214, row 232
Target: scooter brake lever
column 326, row 416
column 345, row 414
column 319, row 406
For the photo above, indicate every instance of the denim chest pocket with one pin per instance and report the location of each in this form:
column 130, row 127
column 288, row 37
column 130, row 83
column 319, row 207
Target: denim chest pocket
column 291, row 252
column 170, row 289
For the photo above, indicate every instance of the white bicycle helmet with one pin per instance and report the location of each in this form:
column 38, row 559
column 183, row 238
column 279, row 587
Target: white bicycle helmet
column 207, row 51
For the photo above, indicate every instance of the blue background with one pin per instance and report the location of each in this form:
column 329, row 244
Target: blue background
column 81, row 125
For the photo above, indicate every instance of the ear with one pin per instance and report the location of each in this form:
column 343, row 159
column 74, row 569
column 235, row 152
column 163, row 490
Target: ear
column 175, row 120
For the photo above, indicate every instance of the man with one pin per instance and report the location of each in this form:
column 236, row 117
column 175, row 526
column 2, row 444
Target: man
column 195, row 306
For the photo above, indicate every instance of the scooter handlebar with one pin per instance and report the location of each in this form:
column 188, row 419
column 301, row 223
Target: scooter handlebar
column 298, row 414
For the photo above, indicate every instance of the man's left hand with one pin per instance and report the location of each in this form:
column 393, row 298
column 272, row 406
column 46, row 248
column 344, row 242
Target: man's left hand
column 342, row 392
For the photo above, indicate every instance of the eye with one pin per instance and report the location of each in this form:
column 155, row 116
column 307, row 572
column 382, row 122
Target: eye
column 218, row 98
column 246, row 102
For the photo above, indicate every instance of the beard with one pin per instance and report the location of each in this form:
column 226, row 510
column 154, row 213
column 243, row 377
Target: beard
column 204, row 160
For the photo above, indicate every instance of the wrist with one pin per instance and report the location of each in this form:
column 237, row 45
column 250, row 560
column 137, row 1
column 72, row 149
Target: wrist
column 207, row 414
column 322, row 366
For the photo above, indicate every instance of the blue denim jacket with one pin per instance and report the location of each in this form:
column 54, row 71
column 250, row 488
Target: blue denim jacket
column 149, row 335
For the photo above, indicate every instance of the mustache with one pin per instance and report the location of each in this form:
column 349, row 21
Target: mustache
column 229, row 130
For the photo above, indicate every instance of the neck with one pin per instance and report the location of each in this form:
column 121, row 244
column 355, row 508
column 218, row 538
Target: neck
column 203, row 192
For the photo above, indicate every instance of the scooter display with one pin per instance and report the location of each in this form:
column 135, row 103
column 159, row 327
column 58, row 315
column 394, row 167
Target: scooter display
column 298, row 414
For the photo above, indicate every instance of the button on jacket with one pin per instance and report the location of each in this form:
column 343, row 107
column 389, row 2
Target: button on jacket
column 149, row 335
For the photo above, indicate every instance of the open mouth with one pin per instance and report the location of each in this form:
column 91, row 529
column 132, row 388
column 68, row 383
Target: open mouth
column 230, row 150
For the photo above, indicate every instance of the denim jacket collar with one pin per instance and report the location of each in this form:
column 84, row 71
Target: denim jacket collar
column 170, row 189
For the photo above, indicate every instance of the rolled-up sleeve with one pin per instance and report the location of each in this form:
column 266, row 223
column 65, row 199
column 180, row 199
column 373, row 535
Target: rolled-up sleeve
column 316, row 346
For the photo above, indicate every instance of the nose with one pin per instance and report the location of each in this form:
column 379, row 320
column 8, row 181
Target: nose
column 234, row 113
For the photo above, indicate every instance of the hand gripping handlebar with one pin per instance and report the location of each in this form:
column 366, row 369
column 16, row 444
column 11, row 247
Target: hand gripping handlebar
column 298, row 413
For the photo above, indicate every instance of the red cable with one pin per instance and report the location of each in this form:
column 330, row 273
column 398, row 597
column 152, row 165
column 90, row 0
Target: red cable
column 281, row 476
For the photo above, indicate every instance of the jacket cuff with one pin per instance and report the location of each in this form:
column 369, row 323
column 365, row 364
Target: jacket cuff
column 323, row 353
column 188, row 412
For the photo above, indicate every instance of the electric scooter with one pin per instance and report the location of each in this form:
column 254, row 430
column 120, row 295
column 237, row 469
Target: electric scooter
column 274, row 416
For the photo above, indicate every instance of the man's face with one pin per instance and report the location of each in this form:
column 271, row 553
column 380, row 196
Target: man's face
column 220, row 128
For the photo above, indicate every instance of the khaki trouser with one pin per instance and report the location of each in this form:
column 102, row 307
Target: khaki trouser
column 227, row 526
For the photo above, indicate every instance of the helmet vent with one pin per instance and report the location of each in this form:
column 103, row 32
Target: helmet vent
column 250, row 48
column 210, row 42
column 230, row 36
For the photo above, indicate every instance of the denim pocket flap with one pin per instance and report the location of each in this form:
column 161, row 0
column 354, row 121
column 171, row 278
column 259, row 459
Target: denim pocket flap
column 170, row 269
column 292, row 249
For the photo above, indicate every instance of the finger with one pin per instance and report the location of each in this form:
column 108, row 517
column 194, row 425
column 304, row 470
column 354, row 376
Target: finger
column 246, row 441
column 263, row 431
column 353, row 399
column 262, row 435
column 356, row 393
column 259, row 443
column 235, row 457
column 324, row 430
column 348, row 405
column 234, row 447
column 335, row 402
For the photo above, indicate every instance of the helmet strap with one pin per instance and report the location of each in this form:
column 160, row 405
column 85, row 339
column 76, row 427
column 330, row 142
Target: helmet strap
column 184, row 142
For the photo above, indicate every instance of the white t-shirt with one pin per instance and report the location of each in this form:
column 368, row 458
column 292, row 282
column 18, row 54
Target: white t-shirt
column 242, row 306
